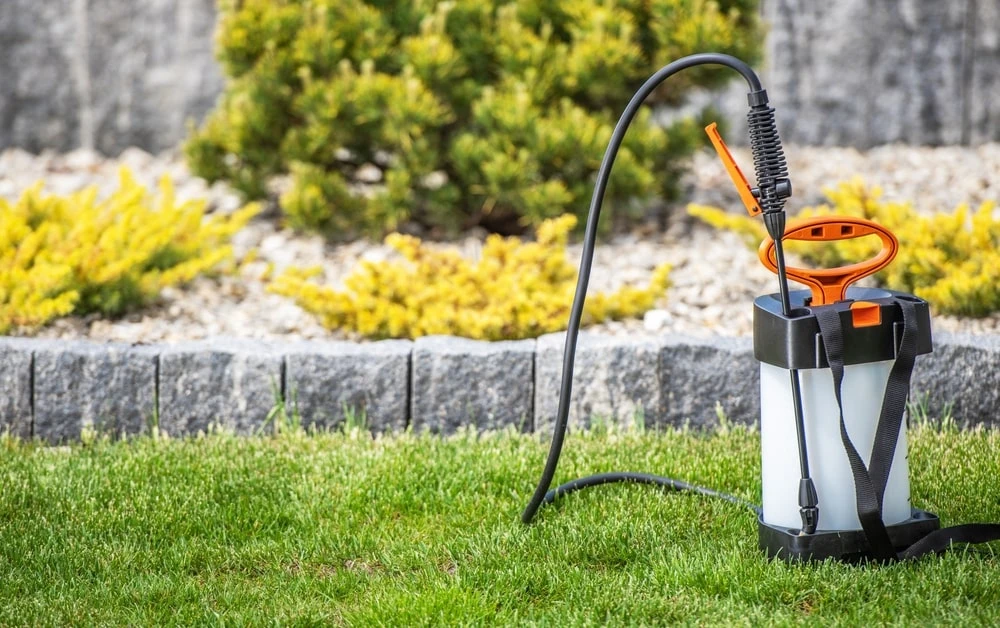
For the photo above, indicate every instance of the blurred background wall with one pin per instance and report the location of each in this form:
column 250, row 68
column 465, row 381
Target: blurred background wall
column 863, row 72
column 107, row 74
column 104, row 74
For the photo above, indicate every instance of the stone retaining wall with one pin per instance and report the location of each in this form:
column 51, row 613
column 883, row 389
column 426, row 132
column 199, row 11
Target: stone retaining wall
column 108, row 74
column 53, row 390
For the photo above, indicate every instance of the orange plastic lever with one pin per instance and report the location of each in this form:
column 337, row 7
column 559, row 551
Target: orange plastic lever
column 829, row 285
column 740, row 181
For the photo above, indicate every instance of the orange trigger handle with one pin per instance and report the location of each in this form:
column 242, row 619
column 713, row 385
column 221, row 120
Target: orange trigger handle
column 740, row 181
column 829, row 285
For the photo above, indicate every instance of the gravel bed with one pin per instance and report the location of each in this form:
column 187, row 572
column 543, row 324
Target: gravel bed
column 715, row 277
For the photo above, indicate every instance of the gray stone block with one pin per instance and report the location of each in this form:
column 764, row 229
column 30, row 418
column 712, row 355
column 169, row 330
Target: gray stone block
column 229, row 383
column 862, row 73
column 325, row 379
column 15, row 386
column 457, row 382
column 105, row 74
column 961, row 376
column 40, row 100
column 699, row 374
column 110, row 388
column 614, row 379
column 983, row 57
column 151, row 69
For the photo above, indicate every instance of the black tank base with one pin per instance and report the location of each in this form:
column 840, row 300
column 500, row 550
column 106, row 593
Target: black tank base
column 846, row 545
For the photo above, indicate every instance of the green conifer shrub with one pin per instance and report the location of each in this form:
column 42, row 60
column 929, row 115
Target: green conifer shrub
column 453, row 114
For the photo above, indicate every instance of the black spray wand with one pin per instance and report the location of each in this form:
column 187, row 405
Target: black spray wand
column 768, row 198
column 773, row 187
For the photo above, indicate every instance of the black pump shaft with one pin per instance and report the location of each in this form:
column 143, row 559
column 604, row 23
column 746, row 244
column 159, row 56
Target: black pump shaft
column 808, row 501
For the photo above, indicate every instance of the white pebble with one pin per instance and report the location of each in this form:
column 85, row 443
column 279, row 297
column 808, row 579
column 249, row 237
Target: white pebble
column 655, row 320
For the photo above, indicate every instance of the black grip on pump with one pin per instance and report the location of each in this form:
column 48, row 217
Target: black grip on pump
column 773, row 186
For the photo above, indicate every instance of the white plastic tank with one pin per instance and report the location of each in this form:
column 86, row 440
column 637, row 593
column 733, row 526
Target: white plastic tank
column 863, row 390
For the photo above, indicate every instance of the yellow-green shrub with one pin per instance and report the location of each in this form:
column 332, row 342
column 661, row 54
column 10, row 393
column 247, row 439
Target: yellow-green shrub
column 466, row 112
column 950, row 259
column 78, row 254
column 515, row 290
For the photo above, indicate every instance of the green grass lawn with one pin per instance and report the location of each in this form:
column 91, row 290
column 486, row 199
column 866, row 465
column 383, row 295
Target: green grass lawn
column 344, row 529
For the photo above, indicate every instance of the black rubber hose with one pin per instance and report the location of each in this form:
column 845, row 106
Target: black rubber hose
column 587, row 257
column 642, row 478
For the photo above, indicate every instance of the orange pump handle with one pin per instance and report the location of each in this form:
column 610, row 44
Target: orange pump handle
column 740, row 181
column 829, row 285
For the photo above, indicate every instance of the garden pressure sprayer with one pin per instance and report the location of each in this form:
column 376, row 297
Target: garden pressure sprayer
column 835, row 366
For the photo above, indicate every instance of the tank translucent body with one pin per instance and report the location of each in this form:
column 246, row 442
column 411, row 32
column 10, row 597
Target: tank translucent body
column 863, row 391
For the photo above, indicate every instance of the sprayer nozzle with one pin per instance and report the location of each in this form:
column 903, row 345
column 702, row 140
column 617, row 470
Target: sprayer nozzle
column 808, row 505
column 810, row 519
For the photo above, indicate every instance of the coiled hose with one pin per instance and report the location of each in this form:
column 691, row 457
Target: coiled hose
column 769, row 164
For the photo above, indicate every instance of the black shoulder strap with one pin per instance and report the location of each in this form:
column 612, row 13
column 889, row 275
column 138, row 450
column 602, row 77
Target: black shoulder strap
column 870, row 481
column 897, row 389
column 868, row 502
